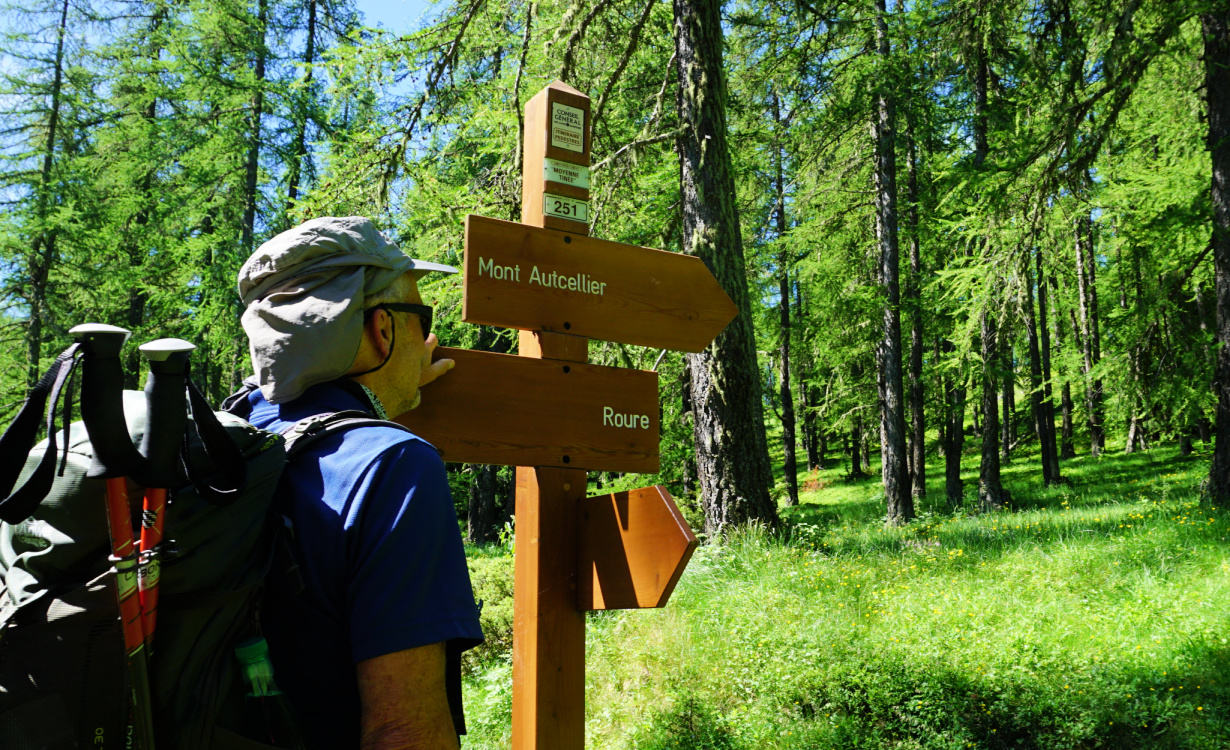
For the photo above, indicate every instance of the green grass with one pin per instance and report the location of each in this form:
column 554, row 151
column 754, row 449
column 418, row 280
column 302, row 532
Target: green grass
column 1091, row 615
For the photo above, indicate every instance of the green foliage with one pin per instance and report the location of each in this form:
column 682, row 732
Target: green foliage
column 687, row 725
column 491, row 575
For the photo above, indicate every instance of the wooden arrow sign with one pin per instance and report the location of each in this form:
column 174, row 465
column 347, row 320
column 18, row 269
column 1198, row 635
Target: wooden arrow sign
column 535, row 279
column 634, row 547
column 516, row 411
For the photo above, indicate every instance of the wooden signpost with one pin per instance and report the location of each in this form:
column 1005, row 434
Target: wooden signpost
column 553, row 415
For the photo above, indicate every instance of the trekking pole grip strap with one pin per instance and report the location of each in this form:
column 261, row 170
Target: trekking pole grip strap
column 226, row 458
column 102, row 402
column 19, row 438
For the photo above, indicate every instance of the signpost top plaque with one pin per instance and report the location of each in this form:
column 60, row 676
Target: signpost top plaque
column 556, row 130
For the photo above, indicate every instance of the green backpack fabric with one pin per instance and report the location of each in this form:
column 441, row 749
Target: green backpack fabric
column 63, row 681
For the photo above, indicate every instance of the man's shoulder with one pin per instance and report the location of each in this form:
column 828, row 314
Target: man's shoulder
column 369, row 438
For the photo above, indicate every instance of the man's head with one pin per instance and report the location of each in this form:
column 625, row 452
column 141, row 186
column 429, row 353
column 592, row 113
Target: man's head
column 306, row 292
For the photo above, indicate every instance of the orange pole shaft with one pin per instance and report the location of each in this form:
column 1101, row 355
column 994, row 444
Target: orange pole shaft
column 123, row 555
column 149, row 570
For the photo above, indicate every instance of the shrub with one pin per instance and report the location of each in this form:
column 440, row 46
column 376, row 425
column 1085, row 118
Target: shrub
column 492, row 578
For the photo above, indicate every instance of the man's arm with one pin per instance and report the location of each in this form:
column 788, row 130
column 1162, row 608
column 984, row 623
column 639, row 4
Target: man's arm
column 403, row 702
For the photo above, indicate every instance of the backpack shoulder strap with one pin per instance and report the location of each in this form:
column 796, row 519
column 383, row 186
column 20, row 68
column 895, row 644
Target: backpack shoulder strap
column 307, row 431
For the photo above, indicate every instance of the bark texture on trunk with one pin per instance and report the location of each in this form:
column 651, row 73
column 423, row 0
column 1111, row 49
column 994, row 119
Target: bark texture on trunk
column 1217, row 84
column 897, row 495
column 689, row 468
column 732, row 455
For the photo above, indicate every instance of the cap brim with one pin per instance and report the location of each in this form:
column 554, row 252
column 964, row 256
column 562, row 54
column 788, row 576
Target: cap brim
column 421, row 268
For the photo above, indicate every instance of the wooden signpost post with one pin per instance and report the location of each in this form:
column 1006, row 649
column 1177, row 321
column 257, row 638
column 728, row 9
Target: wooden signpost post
column 552, row 415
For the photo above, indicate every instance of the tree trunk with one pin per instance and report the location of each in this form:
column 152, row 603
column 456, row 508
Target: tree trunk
column 954, row 443
column 1051, row 452
column 137, row 239
column 897, row 496
column 1039, row 374
column 991, row 494
column 295, row 169
column 1217, row 85
column 918, row 423
column 856, row 449
column 483, row 523
column 254, row 125
column 43, row 246
column 1067, row 444
column 687, row 413
column 789, row 467
column 732, row 455
column 480, row 522
column 1008, row 400
column 1067, row 448
column 1087, row 294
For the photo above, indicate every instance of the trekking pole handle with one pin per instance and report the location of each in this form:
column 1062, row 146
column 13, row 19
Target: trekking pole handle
column 102, row 400
column 166, row 408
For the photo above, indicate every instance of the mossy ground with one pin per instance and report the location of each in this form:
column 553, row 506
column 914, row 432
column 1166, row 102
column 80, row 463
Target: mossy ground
column 1089, row 615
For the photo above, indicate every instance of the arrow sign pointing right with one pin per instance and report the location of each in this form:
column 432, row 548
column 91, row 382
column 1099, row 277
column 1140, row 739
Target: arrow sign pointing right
column 634, row 547
column 534, row 279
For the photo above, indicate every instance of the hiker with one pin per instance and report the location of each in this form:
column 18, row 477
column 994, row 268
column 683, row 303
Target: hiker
column 335, row 322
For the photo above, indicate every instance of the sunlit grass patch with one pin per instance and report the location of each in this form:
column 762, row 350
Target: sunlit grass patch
column 1096, row 615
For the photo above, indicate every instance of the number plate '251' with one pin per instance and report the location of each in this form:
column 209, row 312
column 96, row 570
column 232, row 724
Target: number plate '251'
column 565, row 208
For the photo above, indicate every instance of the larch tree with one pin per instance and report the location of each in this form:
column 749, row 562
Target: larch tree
column 732, row 454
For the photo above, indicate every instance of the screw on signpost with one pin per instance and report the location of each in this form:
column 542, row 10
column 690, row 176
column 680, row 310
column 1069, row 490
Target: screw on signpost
column 166, row 420
column 115, row 458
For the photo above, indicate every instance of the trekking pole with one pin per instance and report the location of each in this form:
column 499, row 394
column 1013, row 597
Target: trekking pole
column 166, row 418
column 102, row 410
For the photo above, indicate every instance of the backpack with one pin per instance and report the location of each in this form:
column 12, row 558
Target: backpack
column 63, row 676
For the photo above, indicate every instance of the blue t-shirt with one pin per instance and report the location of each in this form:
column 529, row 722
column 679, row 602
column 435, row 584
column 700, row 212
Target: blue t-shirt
column 380, row 553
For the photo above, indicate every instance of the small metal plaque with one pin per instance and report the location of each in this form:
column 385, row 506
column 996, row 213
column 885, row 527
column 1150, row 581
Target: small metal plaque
column 565, row 173
column 568, row 127
column 565, row 208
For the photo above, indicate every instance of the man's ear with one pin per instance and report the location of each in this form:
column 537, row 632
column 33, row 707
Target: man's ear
column 378, row 329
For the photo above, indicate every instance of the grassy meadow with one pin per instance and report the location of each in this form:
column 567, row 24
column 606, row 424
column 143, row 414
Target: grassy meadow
column 1090, row 615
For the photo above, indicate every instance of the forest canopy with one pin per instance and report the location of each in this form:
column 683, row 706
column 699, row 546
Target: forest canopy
column 983, row 220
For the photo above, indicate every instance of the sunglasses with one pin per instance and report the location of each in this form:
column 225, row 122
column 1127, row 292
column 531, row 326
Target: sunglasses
column 423, row 311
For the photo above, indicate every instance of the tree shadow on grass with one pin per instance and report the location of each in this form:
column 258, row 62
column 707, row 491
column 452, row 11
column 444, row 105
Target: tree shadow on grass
column 894, row 700
column 991, row 536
